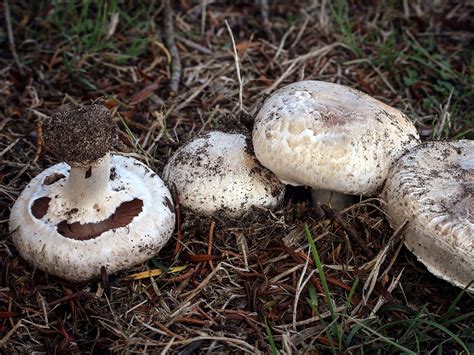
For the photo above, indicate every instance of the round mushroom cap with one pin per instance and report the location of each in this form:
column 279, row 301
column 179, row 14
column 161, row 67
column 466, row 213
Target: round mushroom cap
column 133, row 223
column 329, row 136
column 432, row 187
column 217, row 171
column 82, row 135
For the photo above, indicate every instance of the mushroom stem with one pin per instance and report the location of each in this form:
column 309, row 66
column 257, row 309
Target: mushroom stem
column 88, row 184
column 333, row 199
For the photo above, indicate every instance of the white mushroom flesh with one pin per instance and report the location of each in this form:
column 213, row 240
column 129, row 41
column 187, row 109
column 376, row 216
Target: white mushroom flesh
column 329, row 136
column 432, row 187
column 218, row 172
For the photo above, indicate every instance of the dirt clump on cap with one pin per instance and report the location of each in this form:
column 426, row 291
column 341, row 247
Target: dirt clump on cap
column 82, row 135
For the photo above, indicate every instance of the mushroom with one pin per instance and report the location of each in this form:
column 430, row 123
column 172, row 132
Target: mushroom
column 432, row 187
column 217, row 171
column 96, row 210
column 330, row 137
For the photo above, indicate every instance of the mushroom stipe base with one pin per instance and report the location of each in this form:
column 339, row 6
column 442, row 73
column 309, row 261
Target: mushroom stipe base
column 127, row 226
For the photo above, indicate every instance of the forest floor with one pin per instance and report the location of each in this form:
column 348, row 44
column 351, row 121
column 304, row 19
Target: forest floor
column 252, row 284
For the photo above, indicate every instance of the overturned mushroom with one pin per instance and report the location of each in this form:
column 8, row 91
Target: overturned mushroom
column 218, row 172
column 432, row 187
column 96, row 210
column 330, row 137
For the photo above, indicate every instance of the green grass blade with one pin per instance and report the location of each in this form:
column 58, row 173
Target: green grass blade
column 322, row 277
column 452, row 306
column 384, row 338
column 271, row 340
column 448, row 332
column 314, row 306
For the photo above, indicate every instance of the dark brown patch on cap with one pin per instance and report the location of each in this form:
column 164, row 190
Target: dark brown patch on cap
column 82, row 135
column 39, row 208
column 51, row 179
column 122, row 217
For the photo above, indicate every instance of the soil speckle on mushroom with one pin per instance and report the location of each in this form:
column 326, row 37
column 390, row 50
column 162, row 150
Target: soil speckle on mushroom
column 217, row 171
column 436, row 198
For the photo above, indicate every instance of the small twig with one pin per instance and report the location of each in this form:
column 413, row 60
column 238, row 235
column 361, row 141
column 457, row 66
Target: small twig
column 190, row 295
column 203, row 16
column 265, row 12
column 105, row 280
column 239, row 344
column 166, row 349
column 381, row 299
column 194, row 45
column 282, row 42
column 114, row 20
column 210, row 241
column 4, row 340
column 237, row 66
column 301, row 284
column 211, row 237
column 307, row 321
column 165, row 329
column 66, row 298
column 11, row 38
column 169, row 37
column 301, row 31
column 39, row 143
column 377, row 263
column 179, row 278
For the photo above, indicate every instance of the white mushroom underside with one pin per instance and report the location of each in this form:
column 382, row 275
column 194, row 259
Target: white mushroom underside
column 433, row 188
column 216, row 172
column 39, row 242
column 329, row 136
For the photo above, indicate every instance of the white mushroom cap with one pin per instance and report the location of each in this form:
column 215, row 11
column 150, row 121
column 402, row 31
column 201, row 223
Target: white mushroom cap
column 432, row 187
column 218, row 172
column 98, row 211
column 44, row 222
column 329, row 136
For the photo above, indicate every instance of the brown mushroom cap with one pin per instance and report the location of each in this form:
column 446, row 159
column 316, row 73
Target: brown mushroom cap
column 82, row 135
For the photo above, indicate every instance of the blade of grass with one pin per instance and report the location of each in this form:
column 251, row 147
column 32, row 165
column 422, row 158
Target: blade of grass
column 338, row 9
column 448, row 332
column 322, row 276
column 452, row 306
column 413, row 325
column 313, row 295
column 458, row 319
column 382, row 337
column 271, row 340
column 346, row 306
